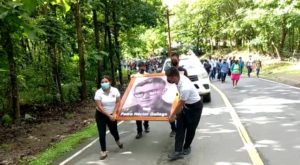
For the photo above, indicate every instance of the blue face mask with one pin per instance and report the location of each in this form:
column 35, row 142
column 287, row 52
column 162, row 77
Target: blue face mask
column 105, row 86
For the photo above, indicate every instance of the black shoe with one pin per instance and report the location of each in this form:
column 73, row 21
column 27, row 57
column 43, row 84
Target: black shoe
column 172, row 133
column 175, row 156
column 139, row 135
column 147, row 130
column 187, row 151
column 120, row 145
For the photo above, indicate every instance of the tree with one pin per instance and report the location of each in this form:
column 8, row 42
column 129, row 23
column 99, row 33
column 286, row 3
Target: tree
column 80, row 44
column 14, row 21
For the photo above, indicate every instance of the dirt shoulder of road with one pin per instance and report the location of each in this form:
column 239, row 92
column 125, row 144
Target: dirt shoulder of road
column 48, row 125
column 293, row 80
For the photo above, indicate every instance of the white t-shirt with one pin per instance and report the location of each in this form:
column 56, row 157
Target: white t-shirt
column 108, row 100
column 187, row 91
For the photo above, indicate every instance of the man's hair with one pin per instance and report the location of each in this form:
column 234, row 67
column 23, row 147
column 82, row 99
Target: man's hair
column 141, row 64
column 174, row 54
column 152, row 80
column 173, row 71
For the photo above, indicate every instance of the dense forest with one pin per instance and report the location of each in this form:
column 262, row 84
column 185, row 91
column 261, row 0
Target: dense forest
column 54, row 52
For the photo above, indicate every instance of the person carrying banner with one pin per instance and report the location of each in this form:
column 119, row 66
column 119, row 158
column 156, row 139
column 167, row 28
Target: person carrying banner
column 107, row 99
column 175, row 63
column 187, row 113
column 142, row 70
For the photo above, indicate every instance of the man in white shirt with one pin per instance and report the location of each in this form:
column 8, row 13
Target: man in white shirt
column 190, row 110
column 250, row 65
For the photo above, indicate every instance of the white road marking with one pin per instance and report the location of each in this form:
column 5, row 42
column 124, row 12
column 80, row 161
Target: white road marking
column 84, row 148
column 290, row 86
column 254, row 156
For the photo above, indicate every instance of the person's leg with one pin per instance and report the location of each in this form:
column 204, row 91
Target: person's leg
column 101, row 126
column 139, row 126
column 190, row 133
column 139, row 129
column 113, row 128
column 180, row 132
column 146, row 126
column 192, row 126
column 179, row 138
column 215, row 71
column 173, row 126
column 249, row 70
column 223, row 76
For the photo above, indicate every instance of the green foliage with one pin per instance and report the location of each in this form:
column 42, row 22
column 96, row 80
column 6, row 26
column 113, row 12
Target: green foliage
column 63, row 146
column 6, row 120
column 259, row 24
column 71, row 92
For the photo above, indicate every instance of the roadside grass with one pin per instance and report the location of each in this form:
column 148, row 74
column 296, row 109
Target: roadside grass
column 280, row 68
column 58, row 149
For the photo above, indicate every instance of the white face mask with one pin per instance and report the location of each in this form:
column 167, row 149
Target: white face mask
column 105, row 86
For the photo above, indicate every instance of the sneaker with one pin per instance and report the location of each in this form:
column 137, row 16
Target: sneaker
column 172, row 133
column 175, row 156
column 103, row 155
column 187, row 151
column 147, row 130
column 139, row 135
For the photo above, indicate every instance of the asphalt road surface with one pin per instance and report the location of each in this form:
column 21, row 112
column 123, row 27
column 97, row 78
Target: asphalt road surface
column 255, row 123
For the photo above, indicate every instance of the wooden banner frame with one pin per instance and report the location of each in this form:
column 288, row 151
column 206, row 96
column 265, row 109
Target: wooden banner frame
column 150, row 118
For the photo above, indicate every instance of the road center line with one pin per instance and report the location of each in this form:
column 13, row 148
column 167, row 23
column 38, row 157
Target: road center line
column 254, row 156
column 84, row 148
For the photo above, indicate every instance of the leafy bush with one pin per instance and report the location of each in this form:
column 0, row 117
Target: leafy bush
column 71, row 92
column 6, row 120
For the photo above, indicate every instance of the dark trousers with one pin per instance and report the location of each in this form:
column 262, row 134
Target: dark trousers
column 173, row 126
column 223, row 76
column 219, row 74
column 249, row 69
column 102, row 120
column 140, row 127
column 187, row 122
column 257, row 72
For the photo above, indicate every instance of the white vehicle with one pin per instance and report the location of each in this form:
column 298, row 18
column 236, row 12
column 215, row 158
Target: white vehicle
column 196, row 73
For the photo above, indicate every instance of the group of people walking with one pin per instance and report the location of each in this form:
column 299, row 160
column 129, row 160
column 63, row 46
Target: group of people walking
column 221, row 68
column 183, row 120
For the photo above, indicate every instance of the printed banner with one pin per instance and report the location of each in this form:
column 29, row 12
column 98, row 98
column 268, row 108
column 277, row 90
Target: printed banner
column 148, row 97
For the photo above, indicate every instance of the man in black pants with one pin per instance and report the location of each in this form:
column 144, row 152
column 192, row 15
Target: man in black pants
column 188, row 118
column 142, row 70
column 175, row 63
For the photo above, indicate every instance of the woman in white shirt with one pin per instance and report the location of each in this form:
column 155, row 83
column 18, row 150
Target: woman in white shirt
column 107, row 100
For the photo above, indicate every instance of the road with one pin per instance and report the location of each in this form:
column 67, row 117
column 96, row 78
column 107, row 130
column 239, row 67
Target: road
column 255, row 123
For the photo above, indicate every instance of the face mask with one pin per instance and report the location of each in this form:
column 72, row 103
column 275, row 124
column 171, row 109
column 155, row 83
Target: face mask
column 170, row 81
column 142, row 71
column 105, row 86
column 174, row 62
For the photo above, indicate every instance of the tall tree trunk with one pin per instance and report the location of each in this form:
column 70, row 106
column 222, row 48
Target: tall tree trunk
column 283, row 36
column 109, row 42
column 97, row 45
column 83, row 93
column 55, row 73
column 117, row 45
column 14, row 90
